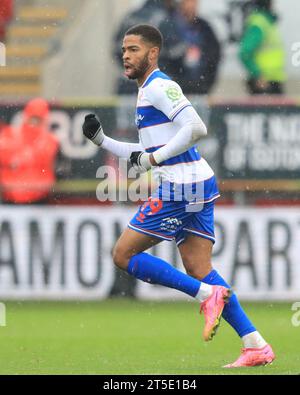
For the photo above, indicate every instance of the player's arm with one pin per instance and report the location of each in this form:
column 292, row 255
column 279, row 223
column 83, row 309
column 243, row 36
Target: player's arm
column 192, row 129
column 92, row 129
column 168, row 98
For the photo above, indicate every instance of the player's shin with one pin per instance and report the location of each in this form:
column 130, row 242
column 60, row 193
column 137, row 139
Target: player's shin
column 154, row 270
column 213, row 298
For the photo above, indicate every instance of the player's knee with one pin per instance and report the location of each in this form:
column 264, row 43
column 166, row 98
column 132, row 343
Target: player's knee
column 197, row 273
column 197, row 269
column 120, row 258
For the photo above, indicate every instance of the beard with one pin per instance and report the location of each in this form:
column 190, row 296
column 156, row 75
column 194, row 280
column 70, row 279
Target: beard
column 140, row 70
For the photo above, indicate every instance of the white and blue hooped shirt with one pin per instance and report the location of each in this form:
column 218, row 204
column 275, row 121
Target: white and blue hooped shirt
column 159, row 101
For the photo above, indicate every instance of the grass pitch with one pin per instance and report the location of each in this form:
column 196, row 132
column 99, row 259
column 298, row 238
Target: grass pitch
column 124, row 336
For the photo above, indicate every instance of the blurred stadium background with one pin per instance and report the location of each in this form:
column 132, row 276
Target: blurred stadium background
column 60, row 251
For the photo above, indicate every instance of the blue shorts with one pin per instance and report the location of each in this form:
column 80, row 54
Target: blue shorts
column 174, row 220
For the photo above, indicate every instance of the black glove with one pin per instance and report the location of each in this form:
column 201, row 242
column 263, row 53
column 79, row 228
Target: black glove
column 140, row 160
column 92, row 129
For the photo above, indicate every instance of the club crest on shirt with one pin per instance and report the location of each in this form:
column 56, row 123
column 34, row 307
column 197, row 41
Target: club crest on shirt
column 138, row 119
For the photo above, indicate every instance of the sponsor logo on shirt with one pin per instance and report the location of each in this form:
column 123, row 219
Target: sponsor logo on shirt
column 173, row 93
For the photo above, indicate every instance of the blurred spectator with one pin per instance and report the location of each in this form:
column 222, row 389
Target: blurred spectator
column 262, row 51
column 27, row 156
column 191, row 53
column 152, row 12
column 6, row 13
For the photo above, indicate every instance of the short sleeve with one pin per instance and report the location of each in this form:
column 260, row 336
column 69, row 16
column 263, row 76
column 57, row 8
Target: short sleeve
column 167, row 96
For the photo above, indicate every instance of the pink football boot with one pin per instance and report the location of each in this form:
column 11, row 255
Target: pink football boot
column 212, row 308
column 253, row 357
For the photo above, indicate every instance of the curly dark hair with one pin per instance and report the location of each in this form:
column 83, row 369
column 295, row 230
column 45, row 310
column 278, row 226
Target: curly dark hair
column 148, row 33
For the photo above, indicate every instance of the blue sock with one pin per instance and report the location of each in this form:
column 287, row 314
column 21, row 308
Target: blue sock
column 154, row 270
column 233, row 312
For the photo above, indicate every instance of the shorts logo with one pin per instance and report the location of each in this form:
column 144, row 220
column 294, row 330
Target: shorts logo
column 170, row 224
column 173, row 93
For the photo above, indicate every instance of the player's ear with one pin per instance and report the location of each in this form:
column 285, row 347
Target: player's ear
column 153, row 53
